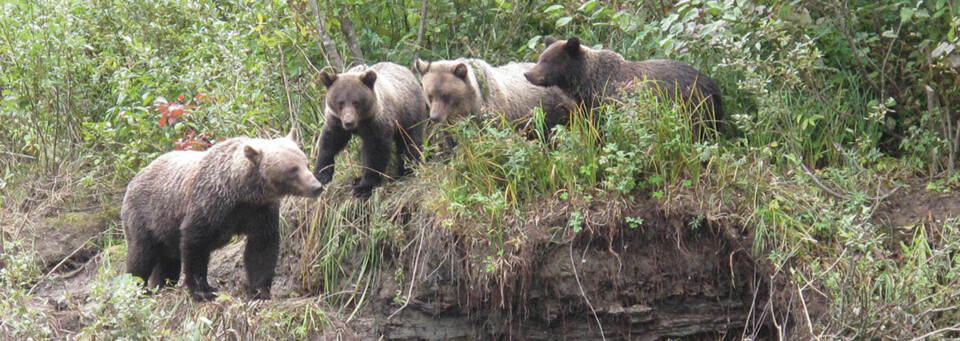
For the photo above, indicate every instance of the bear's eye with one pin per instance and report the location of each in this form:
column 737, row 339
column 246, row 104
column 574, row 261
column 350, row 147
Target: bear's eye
column 342, row 103
column 356, row 104
column 292, row 170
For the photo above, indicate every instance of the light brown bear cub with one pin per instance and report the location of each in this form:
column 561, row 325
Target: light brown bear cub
column 591, row 76
column 462, row 88
column 185, row 204
column 383, row 104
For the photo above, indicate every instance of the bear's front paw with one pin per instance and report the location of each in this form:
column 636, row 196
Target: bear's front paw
column 324, row 177
column 204, row 295
column 362, row 191
column 258, row 294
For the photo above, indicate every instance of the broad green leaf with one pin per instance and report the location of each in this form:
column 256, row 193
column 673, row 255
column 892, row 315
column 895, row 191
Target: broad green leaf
column 588, row 6
column 563, row 21
column 906, row 14
column 553, row 8
column 532, row 43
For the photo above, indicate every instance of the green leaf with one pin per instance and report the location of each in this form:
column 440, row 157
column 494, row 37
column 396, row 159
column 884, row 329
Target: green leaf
column 906, row 14
column 588, row 6
column 553, row 8
column 889, row 34
column 563, row 21
column 532, row 43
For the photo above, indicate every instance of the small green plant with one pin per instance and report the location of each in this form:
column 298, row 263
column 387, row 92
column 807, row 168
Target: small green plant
column 575, row 221
column 121, row 311
column 634, row 222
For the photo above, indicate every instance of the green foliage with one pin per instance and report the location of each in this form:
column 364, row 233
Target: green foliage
column 121, row 312
column 20, row 320
column 81, row 77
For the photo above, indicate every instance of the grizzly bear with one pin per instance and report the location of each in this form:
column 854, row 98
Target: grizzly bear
column 462, row 88
column 382, row 104
column 591, row 76
column 185, row 204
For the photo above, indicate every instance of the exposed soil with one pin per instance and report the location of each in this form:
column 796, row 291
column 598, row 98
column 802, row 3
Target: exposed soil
column 656, row 281
column 664, row 279
column 913, row 204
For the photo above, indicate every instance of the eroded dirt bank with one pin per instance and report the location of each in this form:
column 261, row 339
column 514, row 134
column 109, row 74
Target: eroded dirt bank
column 660, row 280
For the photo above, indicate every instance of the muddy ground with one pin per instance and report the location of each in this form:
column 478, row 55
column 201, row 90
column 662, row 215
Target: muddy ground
column 674, row 277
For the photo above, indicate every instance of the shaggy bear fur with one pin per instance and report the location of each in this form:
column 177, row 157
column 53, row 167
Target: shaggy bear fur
column 185, row 204
column 472, row 88
column 590, row 76
column 383, row 104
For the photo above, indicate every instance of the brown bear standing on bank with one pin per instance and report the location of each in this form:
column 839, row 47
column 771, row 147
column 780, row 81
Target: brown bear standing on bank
column 462, row 88
column 590, row 76
column 185, row 204
column 383, row 104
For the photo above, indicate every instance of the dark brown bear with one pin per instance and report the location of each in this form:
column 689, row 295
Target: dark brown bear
column 186, row 204
column 462, row 88
column 591, row 76
column 384, row 105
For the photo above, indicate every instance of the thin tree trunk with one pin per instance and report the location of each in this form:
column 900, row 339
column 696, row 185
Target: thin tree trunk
column 346, row 26
column 294, row 124
column 329, row 47
column 423, row 21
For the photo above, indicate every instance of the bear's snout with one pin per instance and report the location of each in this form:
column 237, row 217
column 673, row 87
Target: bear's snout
column 436, row 118
column 532, row 78
column 349, row 118
column 315, row 190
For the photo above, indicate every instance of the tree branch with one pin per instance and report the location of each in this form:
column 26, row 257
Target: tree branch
column 423, row 21
column 346, row 27
column 328, row 47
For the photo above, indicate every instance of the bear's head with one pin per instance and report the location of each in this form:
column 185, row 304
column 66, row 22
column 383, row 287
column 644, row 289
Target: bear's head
column 557, row 63
column 448, row 89
column 283, row 167
column 350, row 97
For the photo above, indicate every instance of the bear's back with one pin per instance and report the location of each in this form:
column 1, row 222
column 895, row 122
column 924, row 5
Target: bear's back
column 679, row 79
column 514, row 96
column 399, row 94
column 154, row 198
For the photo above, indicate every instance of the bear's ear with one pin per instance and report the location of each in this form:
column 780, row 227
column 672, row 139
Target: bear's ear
column 253, row 154
column 573, row 46
column 549, row 40
column 422, row 66
column 328, row 78
column 460, row 71
column 369, row 78
column 293, row 135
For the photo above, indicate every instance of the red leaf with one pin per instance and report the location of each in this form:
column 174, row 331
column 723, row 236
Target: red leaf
column 180, row 98
column 176, row 110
